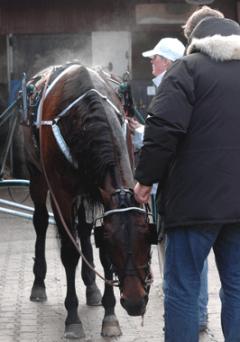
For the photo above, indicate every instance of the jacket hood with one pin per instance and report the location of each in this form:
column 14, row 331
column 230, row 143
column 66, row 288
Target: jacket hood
column 217, row 37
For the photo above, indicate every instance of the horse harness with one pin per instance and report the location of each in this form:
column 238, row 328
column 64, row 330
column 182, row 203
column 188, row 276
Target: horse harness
column 35, row 100
column 37, row 90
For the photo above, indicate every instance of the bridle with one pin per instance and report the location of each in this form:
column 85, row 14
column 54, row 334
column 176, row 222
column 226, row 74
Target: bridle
column 124, row 196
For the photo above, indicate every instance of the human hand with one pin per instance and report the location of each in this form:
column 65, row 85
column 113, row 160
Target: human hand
column 133, row 123
column 142, row 193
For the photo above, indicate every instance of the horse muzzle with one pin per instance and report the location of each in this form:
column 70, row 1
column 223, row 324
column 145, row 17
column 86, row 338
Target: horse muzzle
column 135, row 307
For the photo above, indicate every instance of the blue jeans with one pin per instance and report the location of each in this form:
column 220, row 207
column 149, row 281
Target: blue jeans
column 203, row 296
column 186, row 251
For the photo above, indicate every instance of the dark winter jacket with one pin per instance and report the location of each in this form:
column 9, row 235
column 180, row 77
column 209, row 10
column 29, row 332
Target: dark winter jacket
column 192, row 134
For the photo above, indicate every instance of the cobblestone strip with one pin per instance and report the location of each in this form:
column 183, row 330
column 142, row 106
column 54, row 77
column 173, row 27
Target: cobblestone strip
column 23, row 321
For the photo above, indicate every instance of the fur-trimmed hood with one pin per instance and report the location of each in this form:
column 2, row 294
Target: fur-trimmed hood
column 218, row 47
column 217, row 37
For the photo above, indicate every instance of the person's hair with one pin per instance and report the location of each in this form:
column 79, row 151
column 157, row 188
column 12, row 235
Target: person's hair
column 197, row 16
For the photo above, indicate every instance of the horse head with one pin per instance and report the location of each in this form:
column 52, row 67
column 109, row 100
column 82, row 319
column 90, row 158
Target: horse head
column 127, row 235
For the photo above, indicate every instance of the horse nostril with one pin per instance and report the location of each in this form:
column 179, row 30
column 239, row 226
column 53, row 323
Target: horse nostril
column 134, row 308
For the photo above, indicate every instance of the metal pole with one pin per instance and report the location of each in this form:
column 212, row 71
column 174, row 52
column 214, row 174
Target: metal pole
column 9, row 39
column 8, row 112
column 20, row 206
column 21, row 214
column 9, row 142
column 14, row 182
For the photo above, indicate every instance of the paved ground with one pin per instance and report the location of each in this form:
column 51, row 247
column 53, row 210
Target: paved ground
column 23, row 321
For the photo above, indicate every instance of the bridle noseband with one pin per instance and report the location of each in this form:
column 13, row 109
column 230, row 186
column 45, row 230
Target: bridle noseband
column 125, row 197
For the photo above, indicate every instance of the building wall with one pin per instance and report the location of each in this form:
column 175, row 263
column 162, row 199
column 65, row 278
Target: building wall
column 62, row 16
column 50, row 31
column 71, row 16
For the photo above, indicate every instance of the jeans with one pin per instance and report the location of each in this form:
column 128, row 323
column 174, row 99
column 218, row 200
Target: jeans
column 203, row 296
column 186, row 251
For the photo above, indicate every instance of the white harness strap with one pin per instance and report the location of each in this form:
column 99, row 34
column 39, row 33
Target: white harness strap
column 53, row 123
column 65, row 71
column 82, row 97
column 50, row 87
column 63, row 145
column 46, row 122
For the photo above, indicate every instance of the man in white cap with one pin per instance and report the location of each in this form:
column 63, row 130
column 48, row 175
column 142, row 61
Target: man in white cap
column 163, row 55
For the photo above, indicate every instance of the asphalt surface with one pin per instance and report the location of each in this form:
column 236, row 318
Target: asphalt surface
column 23, row 321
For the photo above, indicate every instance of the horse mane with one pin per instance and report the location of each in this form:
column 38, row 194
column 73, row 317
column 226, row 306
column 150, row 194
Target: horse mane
column 88, row 132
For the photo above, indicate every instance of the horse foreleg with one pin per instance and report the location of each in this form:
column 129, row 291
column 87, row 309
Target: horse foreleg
column 70, row 257
column 93, row 294
column 110, row 324
column 62, row 208
column 38, row 192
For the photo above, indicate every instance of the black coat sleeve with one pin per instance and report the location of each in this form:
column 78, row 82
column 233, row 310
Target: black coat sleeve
column 168, row 119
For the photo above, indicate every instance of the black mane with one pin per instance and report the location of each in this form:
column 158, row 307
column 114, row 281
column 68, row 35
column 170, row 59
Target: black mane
column 88, row 132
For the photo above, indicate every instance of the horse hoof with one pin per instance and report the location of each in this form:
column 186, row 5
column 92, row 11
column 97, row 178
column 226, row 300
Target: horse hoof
column 74, row 331
column 110, row 327
column 93, row 295
column 38, row 294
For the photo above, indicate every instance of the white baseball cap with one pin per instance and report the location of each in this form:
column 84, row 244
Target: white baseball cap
column 170, row 48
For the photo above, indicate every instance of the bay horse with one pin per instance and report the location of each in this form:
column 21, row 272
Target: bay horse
column 76, row 150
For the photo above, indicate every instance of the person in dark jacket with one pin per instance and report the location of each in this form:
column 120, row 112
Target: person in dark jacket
column 192, row 150
column 197, row 16
column 161, row 57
